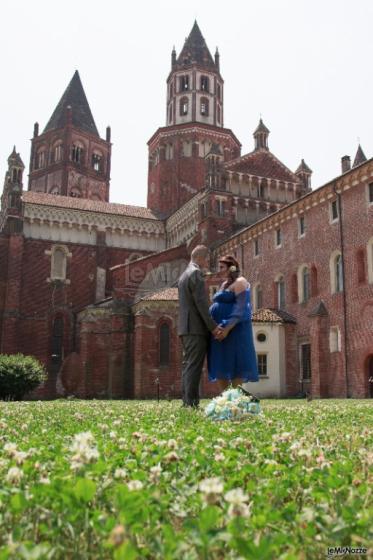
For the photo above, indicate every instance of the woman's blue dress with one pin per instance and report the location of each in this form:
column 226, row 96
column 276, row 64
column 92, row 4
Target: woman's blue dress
column 233, row 357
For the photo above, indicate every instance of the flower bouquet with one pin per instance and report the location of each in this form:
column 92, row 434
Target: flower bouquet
column 233, row 404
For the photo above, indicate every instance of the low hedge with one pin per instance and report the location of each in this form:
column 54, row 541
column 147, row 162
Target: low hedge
column 19, row 374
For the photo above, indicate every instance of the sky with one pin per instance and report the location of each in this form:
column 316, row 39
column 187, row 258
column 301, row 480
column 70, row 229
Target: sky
column 305, row 66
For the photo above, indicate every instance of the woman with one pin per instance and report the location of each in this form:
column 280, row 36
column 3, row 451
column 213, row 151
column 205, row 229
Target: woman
column 232, row 359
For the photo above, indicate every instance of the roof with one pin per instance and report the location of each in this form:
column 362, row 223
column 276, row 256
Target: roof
column 272, row 316
column 43, row 199
column 262, row 163
column 15, row 158
column 74, row 97
column 261, row 128
column 303, row 167
column 165, row 294
column 195, row 50
column 360, row 157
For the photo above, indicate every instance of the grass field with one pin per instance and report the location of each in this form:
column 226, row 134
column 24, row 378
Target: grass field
column 142, row 480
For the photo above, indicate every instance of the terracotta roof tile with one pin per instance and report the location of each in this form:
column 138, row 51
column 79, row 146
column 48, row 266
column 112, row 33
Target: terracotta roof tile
column 272, row 316
column 30, row 197
column 262, row 163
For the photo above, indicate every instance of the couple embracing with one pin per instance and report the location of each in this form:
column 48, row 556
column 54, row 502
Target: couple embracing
column 223, row 331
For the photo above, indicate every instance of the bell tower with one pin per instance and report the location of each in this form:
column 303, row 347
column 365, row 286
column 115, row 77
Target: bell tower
column 194, row 85
column 194, row 126
column 69, row 158
column 10, row 215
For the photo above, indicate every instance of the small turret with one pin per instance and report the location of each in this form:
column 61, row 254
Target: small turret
column 304, row 173
column 360, row 157
column 261, row 134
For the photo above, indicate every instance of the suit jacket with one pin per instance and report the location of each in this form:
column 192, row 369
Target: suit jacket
column 194, row 316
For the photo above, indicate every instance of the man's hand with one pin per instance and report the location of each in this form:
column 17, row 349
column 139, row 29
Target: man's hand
column 224, row 332
column 217, row 333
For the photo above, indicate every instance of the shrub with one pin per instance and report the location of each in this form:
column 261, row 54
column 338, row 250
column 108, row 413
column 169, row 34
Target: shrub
column 19, row 374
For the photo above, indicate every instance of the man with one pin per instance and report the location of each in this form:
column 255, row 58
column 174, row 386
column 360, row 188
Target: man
column 195, row 324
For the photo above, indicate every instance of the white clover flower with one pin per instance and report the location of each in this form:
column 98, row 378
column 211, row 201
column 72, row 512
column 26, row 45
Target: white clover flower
column 155, row 473
column 239, row 510
column 113, row 435
column 135, row 485
column 120, row 473
column 211, row 488
column 20, row 457
column 171, row 457
column 236, row 496
column 14, row 475
column 10, row 449
column 219, row 457
column 172, row 444
column 44, row 480
column 199, row 439
column 84, row 450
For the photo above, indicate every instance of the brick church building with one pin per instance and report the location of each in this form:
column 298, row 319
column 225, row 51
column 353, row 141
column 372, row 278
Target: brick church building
column 89, row 286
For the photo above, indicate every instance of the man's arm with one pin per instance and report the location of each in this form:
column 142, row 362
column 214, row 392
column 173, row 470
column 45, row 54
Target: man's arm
column 198, row 291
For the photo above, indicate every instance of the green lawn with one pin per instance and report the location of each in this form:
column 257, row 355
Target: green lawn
column 153, row 481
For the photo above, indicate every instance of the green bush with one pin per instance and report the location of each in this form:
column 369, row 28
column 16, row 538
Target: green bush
column 19, row 374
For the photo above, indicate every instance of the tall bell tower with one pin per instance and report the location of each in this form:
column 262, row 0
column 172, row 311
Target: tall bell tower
column 194, row 124
column 69, row 158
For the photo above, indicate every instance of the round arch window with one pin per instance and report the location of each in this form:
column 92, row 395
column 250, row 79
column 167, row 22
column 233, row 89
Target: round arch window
column 261, row 337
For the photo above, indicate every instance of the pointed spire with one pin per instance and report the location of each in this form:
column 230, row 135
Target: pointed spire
column 74, row 97
column 195, row 50
column 261, row 134
column 15, row 159
column 360, row 157
column 303, row 168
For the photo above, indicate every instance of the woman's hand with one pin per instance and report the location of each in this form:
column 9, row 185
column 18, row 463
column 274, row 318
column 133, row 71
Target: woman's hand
column 225, row 332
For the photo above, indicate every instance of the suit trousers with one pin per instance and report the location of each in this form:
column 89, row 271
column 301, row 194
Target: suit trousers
column 194, row 352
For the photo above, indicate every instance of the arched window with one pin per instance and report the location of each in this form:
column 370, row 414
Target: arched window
column 57, row 340
column 164, row 344
column 184, row 82
column 40, row 159
column 218, row 115
column 186, row 148
column 169, row 153
column 204, row 107
column 184, row 106
column 58, row 262
column 336, row 272
column 280, row 291
column 97, row 162
column 304, row 284
column 57, row 153
column 76, row 154
column 205, row 83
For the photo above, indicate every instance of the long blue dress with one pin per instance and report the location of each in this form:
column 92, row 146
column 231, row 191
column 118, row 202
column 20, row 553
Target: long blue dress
column 233, row 357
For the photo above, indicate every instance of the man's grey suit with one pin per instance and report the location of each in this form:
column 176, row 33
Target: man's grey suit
column 195, row 323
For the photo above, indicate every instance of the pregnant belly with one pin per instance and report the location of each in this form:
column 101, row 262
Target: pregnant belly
column 220, row 311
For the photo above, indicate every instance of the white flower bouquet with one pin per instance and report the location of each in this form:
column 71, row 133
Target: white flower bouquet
column 232, row 404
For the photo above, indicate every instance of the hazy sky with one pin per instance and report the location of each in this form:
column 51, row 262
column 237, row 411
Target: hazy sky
column 305, row 65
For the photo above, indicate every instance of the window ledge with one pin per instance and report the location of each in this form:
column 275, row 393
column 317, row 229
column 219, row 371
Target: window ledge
column 263, row 376
column 59, row 280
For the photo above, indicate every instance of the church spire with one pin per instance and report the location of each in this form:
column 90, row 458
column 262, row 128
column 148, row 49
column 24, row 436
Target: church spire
column 360, row 157
column 81, row 115
column 196, row 51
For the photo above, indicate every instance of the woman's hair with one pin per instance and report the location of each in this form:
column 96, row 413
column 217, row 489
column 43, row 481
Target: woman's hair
column 231, row 262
